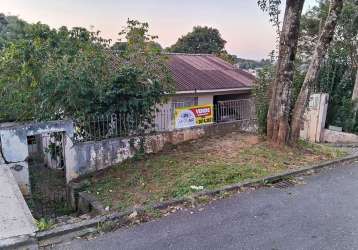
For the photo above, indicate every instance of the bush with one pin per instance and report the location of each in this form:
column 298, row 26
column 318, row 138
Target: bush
column 51, row 74
column 261, row 96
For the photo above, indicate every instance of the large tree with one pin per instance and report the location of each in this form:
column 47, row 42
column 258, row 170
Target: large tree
column 324, row 40
column 280, row 104
column 202, row 40
column 283, row 125
column 338, row 68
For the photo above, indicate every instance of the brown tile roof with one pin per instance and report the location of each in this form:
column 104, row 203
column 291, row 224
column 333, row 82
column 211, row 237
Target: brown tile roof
column 206, row 72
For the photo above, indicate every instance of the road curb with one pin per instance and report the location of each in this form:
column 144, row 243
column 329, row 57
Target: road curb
column 19, row 242
column 124, row 216
column 283, row 175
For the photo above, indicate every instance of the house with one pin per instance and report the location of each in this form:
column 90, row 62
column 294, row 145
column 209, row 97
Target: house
column 204, row 79
column 207, row 79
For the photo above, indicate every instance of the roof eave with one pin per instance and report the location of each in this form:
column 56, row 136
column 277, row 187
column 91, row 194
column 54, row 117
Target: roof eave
column 211, row 90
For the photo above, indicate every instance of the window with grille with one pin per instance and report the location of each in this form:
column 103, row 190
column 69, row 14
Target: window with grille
column 181, row 102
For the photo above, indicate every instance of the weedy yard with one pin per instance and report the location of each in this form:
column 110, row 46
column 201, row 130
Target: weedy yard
column 206, row 163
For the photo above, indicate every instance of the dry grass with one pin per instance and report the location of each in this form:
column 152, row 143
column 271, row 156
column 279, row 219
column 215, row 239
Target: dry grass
column 208, row 163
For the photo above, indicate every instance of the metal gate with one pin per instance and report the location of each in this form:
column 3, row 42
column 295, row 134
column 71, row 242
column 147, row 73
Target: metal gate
column 234, row 110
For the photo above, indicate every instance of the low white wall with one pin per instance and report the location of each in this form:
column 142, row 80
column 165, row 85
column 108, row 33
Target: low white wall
column 84, row 158
column 332, row 136
column 21, row 173
column 88, row 157
column 14, row 147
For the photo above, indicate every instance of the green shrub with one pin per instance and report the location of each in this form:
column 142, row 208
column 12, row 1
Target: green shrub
column 261, row 96
column 44, row 224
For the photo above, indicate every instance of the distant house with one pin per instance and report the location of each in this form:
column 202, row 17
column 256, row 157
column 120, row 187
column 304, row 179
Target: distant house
column 207, row 79
column 204, row 79
column 253, row 72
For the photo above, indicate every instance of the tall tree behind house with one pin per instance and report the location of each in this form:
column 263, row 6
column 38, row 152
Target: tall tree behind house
column 203, row 40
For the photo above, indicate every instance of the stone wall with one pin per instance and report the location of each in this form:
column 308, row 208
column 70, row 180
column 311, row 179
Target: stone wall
column 88, row 157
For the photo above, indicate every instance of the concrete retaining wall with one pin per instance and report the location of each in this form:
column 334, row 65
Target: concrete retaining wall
column 14, row 147
column 338, row 137
column 88, row 157
column 16, row 222
column 315, row 118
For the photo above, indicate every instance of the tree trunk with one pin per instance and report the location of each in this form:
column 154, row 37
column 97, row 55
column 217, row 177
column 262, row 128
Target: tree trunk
column 280, row 103
column 321, row 49
column 355, row 89
column 355, row 99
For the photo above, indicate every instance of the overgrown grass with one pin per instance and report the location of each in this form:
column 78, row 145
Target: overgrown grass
column 205, row 164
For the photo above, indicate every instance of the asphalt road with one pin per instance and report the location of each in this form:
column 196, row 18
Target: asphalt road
column 320, row 214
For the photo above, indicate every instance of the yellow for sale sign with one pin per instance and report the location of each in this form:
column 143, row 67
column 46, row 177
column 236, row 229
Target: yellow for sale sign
column 194, row 116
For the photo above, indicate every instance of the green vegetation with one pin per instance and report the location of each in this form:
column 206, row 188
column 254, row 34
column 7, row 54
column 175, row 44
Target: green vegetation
column 106, row 226
column 339, row 69
column 48, row 193
column 44, row 224
column 56, row 74
column 252, row 64
column 261, row 96
column 204, row 164
column 203, row 40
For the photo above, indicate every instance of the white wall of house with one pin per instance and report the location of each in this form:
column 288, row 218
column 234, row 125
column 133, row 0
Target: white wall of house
column 205, row 99
column 164, row 119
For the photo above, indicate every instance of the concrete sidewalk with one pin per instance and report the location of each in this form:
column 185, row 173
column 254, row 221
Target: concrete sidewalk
column 17, row 226
column 320, row 214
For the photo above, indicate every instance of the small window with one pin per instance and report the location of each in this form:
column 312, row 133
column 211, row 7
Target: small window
column 181, row 102
column 31, row 140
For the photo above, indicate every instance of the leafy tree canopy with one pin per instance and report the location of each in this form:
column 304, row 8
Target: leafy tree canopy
column 345, row 33
column 11, row 28
column 252, row 64
column 203, row 40
column 337, row 75
column 54, row 74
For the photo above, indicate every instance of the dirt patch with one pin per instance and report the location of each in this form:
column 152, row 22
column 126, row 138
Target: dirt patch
column 205, row 163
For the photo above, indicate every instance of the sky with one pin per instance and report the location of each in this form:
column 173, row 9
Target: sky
column 242, row 24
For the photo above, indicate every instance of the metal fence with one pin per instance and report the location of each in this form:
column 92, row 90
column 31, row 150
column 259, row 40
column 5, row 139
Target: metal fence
column 234, row 110
column 94, row 128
